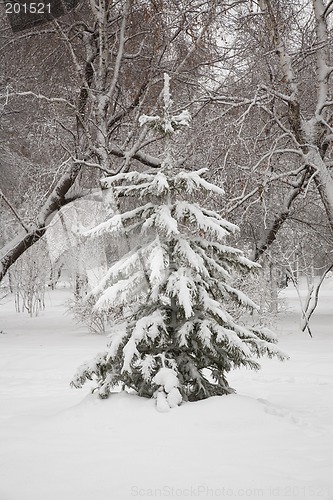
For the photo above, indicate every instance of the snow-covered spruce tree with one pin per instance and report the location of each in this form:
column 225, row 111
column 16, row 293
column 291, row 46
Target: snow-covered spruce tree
column 176, row 340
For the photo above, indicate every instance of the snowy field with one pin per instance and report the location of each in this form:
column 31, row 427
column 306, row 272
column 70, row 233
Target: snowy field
column 272, row 440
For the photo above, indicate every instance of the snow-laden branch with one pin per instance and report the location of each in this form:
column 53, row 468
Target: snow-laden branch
column 285, row 97
column 229, row 100
column 245, row 197
column 293, row 134
column 270, row 234
column 94, row 165
column 146, row 159
column 28, row 93
column 270, row 154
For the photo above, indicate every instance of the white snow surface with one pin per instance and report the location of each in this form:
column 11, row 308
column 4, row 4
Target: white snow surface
column 271, row 440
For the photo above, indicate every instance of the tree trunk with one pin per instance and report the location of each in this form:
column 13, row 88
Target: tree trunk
column 17, row 246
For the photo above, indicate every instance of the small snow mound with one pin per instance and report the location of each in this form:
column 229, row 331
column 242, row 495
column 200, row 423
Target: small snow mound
column 162, row 404
column 166, row 377
column 167, row 395
column 174, row 398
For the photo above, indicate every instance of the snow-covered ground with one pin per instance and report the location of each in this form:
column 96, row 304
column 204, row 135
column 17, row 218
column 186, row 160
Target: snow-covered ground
column 271, row 440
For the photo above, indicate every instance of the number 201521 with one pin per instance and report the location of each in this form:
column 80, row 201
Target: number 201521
column 28, row 8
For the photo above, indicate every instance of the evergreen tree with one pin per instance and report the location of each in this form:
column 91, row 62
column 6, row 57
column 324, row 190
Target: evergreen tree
column 175, row 339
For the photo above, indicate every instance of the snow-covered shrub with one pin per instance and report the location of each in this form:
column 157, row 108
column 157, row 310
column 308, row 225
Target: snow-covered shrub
column 83, row 312
column 28, row 278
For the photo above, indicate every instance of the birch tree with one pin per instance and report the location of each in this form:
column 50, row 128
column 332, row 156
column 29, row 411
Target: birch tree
column 277, row 103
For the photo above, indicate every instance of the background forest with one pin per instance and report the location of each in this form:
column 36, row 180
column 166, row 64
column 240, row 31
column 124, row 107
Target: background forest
column 256, row 79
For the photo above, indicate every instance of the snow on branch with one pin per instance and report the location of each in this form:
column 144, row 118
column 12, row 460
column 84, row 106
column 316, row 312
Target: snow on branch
column 167, row 123
column 29, row 93
column 194, row 181
column 206, row 220
column 150, row 326
column 182, row 287
column 121, row 292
